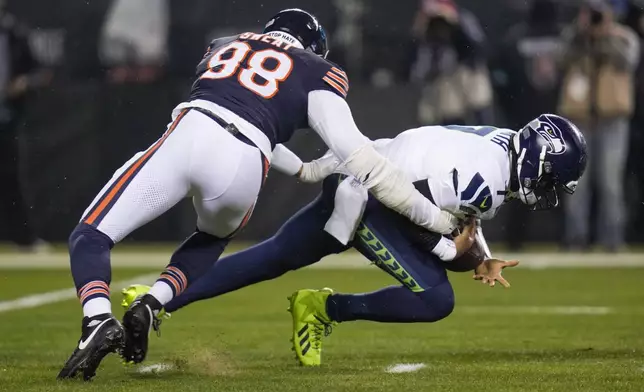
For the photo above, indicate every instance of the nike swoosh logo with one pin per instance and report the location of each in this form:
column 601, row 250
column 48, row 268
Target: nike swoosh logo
column 83, row 343
column 483, row 204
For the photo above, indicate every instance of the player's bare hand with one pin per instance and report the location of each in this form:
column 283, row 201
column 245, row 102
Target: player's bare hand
column 491, row 271
column 466, row 238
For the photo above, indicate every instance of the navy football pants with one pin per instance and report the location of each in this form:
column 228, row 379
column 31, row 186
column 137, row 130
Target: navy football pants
column 424, row 293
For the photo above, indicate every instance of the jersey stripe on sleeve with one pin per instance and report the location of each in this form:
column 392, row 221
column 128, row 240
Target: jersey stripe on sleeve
column 337, row 79
column 341, row 81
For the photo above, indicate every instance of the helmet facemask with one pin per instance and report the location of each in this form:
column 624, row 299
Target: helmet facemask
column 320, row 47
column 540, row 192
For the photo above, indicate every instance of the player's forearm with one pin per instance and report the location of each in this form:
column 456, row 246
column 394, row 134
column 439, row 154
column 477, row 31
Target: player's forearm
column 285, row 161
column 391, row 187
column 331, row 118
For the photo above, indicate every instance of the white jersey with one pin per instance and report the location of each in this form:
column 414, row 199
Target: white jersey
column 467, row 169
column 462, row 170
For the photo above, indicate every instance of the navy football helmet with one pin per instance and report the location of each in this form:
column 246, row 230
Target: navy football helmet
column 302, row 26
column 550, row 154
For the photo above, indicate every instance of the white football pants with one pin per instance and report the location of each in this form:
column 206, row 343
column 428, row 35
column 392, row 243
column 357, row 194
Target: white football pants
column 195, row 158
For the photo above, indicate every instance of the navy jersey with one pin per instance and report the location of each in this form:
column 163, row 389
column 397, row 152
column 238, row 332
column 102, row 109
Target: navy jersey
column 266, row 81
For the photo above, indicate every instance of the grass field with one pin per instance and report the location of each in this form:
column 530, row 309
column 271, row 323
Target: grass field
column 554, row 330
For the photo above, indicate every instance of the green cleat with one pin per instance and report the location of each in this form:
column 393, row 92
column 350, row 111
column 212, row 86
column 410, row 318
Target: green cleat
column 135, row 291
column 310, row 322
column 143, row 313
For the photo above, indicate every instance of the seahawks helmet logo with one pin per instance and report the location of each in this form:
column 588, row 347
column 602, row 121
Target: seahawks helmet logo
column 552, row 136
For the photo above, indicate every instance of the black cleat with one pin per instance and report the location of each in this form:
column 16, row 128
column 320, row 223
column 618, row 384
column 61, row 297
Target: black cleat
column 138, row 321
column 101, row 335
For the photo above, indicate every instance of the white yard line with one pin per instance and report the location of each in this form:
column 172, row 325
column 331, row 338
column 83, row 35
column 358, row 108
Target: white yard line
column 404, row 367
column 155, row 368
column 550, row 310
column 35, row 300
column 349, row 260
column 22, row 261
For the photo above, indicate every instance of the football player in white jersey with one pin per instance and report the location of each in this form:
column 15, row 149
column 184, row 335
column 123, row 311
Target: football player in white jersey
column 467, row 171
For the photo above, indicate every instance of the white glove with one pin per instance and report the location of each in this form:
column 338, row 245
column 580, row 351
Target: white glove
column 319, row 169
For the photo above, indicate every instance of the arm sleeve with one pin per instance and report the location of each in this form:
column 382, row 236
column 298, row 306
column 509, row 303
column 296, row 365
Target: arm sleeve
column 431, row 242
column 285, row 160
column 330, row 117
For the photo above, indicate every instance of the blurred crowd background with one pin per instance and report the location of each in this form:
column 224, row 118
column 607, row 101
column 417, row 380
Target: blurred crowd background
column 86, row 84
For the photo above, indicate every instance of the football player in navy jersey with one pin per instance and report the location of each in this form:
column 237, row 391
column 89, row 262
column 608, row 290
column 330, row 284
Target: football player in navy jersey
column 252, row 92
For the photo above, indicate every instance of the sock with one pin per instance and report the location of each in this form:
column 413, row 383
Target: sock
column 172, row 279
column 95, row 298
column 97, row 306
column 395, row 304
column 162, row 292
column 89, row 253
